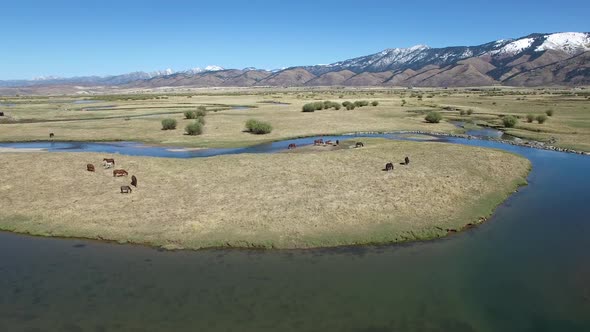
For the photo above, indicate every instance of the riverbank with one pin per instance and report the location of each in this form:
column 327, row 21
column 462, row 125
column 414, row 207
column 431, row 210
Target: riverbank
column 294, row 200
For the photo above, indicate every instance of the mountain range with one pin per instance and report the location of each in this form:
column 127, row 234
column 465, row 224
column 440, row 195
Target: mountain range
column 534, row 60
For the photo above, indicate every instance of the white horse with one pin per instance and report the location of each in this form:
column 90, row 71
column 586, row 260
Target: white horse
column 107, row 165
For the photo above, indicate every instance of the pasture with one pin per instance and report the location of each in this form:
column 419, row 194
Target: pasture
column 299, row 199
column 138, row 116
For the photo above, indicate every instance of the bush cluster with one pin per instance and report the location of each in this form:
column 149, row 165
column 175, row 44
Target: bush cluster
column 509, row 121
column 258, row 127
column 168, row 124
column 195, row 128
column 319, row 105
column 541, row 118
column 433, row 117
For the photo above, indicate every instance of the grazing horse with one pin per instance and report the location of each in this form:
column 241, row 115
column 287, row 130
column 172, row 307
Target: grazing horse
column 389, row 167
column 1, row 113
column 328, row 142
column 125, row 190
column 90, row 168
column 107, row 165
column 51, row 135
column 134, row 181
column 108, row 160
column 407, row 160
column 120, row 172
column 337, row 142
column 359, row 145
column 318, row 142
column 292, row 146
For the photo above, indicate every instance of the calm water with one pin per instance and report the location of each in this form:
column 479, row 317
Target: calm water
column 527, row 269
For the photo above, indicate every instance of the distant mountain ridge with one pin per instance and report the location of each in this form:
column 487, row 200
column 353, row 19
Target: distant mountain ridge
column 534, row 60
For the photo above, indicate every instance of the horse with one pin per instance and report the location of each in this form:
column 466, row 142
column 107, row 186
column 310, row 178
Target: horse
column 51, row 135
column 407, row 160
column 389, row 167
column 108, row 160
column 359, row 145
column 292, row 146
column 107, row 165
column 328, row 142
column 1, row 113
column 134, row 181
column 90, row 168
column 318, row 142
column 120, row 172
column 337, row 142
column 125, row 190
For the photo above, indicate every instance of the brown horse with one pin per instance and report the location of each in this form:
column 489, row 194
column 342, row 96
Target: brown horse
column 51, row 135
column 318, row 142
column 134, row 181
column 359, row 145
column 108, row 161
column 1, row 113
column 125, row 190
column 328, row 142
column 292, row 146
column 90, row 168
column 120, row 172
column 389, row 167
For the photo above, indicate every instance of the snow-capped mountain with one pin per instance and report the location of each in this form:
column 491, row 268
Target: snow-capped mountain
column 421, row 55
column 534, row 60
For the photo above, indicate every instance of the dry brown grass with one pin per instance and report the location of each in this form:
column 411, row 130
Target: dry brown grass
column 285, row 200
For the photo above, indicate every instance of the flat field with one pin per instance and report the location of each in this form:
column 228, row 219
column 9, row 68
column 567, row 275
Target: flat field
column 138, row 116
column 285, row 200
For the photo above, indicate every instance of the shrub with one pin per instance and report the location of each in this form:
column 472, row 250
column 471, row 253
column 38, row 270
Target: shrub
column 346, row 103
column 433, row 117
column 190, row 115
column 462, row 112
column 403, row 102
column 168, row 124
column 308, row 108
column 195, row 128
column 361, row 103
column 549, row 112
column 375, row 103
column 258, row 127
column 541, row 118
column 469, row 111
column 200, row 119
column 509, row 121
column 350, row 106
column 530, row 118
column 202, row 110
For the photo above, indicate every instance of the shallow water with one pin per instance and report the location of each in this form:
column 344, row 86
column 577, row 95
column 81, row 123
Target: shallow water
column 526, row 269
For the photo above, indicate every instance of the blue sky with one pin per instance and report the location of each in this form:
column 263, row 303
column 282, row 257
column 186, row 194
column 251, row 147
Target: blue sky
column 73, row 38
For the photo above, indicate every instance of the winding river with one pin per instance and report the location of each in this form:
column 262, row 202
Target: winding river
column 526, row 269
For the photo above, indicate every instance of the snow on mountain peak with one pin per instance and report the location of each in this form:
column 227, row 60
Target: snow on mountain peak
column 515, row 46
column 213, row 68
column 570, row 42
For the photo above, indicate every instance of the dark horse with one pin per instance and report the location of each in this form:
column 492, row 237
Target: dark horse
column 51, row 135
column 1, row 113
column 108, row 160
column 389, row 167
column 407, row 160
column 90, row 168
column 120, row 172
column 125, row 190
column 292, row 146
column 134, row 181
column 318, row 142
column 359, row 144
